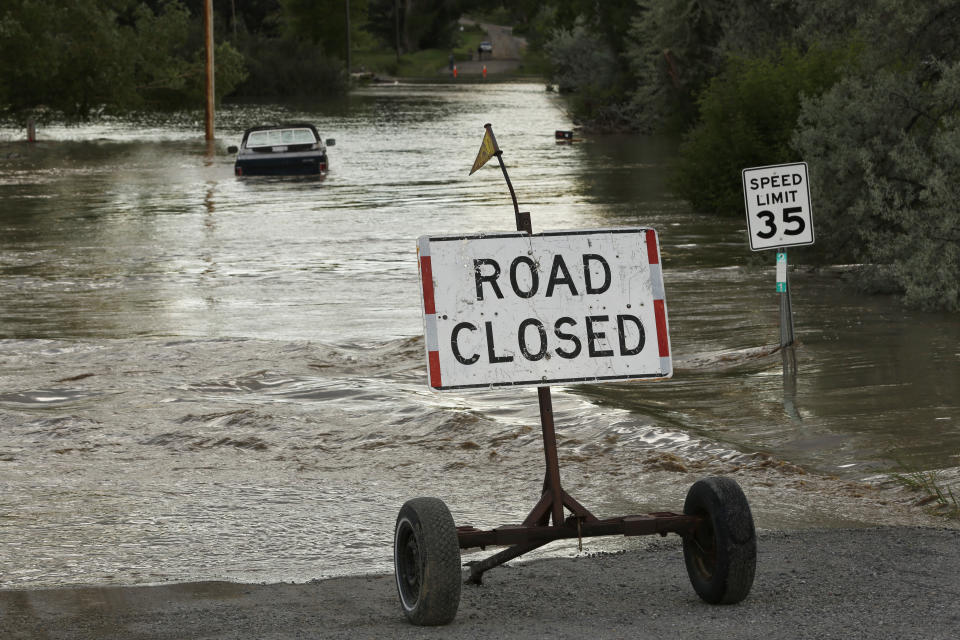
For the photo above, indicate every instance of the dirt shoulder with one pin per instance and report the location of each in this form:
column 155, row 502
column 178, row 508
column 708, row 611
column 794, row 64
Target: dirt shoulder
column 895, row 582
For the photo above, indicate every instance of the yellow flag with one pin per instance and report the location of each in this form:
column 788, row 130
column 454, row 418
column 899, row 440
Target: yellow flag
column 488, row 148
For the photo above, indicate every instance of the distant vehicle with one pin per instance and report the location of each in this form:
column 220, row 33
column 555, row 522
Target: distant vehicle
column 293, row 148
column 486, row 47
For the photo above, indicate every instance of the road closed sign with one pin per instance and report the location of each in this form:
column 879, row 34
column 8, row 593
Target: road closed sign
column 559, row 307
column 777, row 199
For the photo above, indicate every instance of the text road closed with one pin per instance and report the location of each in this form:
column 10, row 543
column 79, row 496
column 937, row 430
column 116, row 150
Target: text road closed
column 551, row 308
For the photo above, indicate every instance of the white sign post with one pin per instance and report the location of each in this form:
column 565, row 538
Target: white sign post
column 777, row 200
column 559, row 307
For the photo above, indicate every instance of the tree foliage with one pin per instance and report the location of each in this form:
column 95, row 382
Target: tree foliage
column 281, row 67
column 65, row 56
column 585, row 44
column 865, row 93
column 884, row 153
column 421, row 24
column 882, row 147
column 322, row 22
column 673, row 53
column 677, row 46
column 748, row 113
column 84, row 56
column 584, row 65
column 87, row 56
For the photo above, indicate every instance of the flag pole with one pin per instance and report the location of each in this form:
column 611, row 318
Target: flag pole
column 554, row 498
column 522, row 225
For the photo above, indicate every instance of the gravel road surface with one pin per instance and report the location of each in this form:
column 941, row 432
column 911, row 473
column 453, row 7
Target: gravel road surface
column 895, row 583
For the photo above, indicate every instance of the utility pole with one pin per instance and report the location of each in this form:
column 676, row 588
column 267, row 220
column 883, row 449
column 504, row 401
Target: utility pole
column 208, row 37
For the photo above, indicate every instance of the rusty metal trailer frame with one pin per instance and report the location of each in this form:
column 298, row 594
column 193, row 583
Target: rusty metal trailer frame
column 535, row 531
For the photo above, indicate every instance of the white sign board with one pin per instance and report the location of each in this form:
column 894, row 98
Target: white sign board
column 559, row 307
column 778, row 206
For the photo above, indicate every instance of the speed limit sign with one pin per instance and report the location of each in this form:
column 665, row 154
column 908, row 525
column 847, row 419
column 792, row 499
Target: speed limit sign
column 777, row 198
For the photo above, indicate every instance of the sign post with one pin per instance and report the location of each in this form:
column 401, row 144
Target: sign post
column 779, row 215
column 786, row 307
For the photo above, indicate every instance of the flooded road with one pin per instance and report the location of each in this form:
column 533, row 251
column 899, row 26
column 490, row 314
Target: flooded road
column 205, row 377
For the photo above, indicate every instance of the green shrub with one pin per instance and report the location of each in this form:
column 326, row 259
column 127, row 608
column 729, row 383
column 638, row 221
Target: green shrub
column 748, row 114
column 284, row 67
column 884, row 154
column 587, row 68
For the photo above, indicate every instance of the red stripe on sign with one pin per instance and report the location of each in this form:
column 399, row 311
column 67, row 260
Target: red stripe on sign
column 426, row 280
column 434, row 359
column 663, row 341
column 652, row 252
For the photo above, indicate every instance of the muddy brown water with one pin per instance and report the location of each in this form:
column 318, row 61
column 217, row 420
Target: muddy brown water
column 205, row 377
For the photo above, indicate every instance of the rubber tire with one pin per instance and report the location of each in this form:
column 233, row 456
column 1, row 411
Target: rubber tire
column 721, row 555
column 426, row 559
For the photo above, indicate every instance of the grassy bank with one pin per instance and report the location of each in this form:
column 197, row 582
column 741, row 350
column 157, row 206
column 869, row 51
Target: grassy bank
column 937, row 494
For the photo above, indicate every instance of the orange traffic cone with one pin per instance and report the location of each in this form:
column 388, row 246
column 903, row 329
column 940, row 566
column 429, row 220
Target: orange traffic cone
column 454, row 71
column 484, row 72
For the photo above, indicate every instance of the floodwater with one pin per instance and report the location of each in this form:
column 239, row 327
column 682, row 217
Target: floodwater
column 206, row 377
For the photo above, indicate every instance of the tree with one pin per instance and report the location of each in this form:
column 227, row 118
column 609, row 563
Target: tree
column 884, row 153
column 673, row 53
column 586, row 54
column 422, row 24
column 870, row 98
column 430, row 24
column 81, row 57
column 882, row 148
column 585, row 65
column 676, row 46
column 748, row 114
column 66, row 56
column 322, row 22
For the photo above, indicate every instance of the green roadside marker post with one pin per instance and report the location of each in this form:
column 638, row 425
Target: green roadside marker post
column 782, row 271
column 786, row 304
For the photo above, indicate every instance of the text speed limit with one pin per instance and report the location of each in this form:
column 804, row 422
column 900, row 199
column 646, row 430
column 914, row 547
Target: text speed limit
column 777, row 200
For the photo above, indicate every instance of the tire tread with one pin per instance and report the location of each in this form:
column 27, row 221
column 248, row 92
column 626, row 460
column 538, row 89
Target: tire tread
column 736, row 540
column 439, row 596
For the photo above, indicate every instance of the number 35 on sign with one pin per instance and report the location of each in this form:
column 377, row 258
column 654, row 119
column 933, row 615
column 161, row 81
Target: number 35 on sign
column 777, row 198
